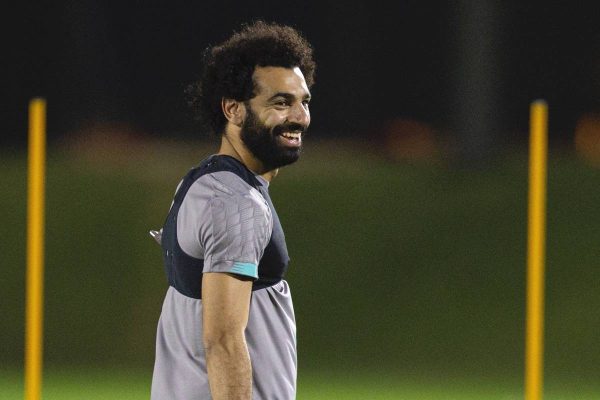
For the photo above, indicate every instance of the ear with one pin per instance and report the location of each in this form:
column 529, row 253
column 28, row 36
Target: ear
column 234, row 111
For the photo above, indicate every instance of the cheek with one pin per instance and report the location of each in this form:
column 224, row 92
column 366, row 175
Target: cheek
column 274, row 119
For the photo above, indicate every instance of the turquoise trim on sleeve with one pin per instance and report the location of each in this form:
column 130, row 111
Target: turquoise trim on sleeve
column 242, row 268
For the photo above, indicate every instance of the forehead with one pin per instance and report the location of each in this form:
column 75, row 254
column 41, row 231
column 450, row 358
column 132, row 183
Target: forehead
column 272, row 80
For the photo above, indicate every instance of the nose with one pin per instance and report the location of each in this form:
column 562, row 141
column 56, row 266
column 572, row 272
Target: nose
column 300, row 114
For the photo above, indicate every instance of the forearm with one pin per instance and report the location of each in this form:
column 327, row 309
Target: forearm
column 229, row 368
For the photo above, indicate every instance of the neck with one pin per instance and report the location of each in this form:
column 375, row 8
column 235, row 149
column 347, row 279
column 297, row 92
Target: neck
column 269, row 175
column 232, row 146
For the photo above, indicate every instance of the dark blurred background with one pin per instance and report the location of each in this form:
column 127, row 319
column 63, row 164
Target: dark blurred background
column 467, row 69
column 406, row 217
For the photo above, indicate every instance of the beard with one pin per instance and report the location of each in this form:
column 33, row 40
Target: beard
column 264, row 144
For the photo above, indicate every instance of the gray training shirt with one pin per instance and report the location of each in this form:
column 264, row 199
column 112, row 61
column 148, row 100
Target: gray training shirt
column 222, row 220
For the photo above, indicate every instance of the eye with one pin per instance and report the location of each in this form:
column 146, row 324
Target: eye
column 305, row 103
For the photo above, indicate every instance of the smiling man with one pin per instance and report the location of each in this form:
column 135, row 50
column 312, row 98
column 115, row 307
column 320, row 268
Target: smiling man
column 227, row 328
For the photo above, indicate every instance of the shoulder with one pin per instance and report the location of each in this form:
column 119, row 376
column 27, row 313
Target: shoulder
column 223, row 179
column 221, row 190
column 218, row 207
column 224, row 187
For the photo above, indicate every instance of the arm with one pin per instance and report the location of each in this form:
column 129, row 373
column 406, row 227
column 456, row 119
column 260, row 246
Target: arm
column 225, row 304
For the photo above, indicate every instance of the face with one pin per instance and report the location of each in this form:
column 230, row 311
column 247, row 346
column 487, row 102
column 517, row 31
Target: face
column 277, row 117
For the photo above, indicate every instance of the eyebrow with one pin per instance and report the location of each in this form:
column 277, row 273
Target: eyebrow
column 288, row 96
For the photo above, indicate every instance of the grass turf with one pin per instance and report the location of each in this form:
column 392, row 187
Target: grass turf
column 115, row 384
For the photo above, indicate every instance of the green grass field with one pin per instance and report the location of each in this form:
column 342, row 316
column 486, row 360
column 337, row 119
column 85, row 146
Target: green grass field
column 409, row 276
column 115, row 384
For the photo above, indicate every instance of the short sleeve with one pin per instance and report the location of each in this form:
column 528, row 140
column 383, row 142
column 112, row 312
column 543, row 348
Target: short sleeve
column 235, row 232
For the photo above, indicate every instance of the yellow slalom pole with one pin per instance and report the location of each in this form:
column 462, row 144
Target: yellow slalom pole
column 534, row 346
column 35, row 249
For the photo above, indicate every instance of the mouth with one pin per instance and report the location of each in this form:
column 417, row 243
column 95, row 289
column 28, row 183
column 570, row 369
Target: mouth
column 291, row 139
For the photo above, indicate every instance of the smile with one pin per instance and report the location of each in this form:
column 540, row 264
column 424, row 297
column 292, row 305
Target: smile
column 291, row 139
column 291, row 135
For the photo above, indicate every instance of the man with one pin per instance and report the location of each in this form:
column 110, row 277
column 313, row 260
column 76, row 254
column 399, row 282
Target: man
column 227, row 327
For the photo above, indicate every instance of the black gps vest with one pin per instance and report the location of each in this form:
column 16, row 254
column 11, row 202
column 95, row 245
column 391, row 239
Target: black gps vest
column 184, row 272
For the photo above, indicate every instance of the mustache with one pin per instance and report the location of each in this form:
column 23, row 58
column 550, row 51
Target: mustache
column 289, row 127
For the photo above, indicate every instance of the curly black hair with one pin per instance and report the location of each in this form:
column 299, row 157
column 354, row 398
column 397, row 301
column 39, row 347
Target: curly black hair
column 228, row 68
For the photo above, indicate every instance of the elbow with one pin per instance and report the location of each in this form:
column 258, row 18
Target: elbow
column 223, row 340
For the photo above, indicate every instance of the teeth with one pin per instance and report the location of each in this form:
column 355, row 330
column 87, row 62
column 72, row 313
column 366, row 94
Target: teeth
column 291, row 135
